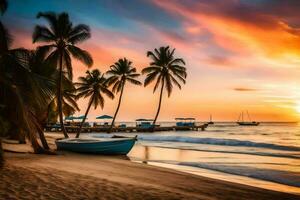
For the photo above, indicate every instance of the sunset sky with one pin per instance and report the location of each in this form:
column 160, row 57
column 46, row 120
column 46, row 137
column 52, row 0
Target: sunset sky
column 240, row 54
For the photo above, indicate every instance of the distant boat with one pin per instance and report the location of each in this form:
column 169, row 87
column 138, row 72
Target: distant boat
column 185, row 122
column 105, row 146
column 210, row 120
column 241, row 121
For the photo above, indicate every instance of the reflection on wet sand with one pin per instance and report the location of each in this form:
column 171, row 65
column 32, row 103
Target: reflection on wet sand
column 177, row 158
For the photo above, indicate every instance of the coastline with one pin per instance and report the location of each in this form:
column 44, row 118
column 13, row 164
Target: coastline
column 77, row 176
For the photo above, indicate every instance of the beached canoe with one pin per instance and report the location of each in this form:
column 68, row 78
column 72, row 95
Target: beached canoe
column 106, row 146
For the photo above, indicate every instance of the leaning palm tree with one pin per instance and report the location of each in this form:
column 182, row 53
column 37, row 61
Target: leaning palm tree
column 120, row 73
column 62, row 38
column 92, row 85
column 22, row 93
column 166, row 70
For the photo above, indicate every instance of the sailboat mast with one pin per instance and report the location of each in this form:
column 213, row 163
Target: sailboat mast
column 242, row 116
column 248, row 116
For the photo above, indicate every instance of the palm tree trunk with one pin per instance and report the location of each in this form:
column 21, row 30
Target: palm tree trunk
column 34, row 143
column 22, row 138
column 39, row 127
column 42, row 138
column 117, row 110
column 159, row 105
column 59, row 97
column 86, row 113
column 1, row 154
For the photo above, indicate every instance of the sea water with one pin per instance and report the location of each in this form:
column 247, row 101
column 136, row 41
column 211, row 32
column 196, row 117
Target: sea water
column 266, row 156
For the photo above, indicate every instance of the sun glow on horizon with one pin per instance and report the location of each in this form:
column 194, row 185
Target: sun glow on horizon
column 297, row 107
column 247, row 58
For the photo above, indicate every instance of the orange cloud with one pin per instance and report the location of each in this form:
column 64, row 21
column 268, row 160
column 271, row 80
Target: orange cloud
column 244, row 89
column 237, row 33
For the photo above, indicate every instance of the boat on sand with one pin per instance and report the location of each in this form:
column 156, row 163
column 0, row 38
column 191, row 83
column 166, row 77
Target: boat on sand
column 116, row 145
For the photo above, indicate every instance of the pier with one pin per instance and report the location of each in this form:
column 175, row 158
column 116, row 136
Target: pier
column 105, row 129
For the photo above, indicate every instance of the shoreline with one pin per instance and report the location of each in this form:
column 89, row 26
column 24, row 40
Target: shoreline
column 154, row 153
column 79, row 176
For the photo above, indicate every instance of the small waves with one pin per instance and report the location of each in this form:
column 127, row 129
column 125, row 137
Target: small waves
column 216, row 141
column 277, row 176
column 193, row 148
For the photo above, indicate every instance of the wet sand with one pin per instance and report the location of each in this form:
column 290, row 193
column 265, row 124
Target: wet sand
column 77, row 176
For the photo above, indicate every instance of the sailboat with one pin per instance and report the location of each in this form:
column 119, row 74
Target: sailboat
column 241, row 121
column 210, row 120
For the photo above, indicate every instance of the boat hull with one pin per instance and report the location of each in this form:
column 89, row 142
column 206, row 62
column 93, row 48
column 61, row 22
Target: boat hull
column 115, row 146
column 248, row 123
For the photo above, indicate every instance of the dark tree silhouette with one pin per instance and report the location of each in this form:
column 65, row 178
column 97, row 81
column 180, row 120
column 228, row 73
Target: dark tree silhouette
column 166, row 70
column 120, row 73
column 93, row 85
column 62, row 37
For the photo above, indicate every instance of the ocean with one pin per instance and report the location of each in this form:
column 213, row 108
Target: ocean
column 266, row 156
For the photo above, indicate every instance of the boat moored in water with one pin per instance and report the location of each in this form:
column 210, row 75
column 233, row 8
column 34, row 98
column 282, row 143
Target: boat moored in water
column 210, row 120
column 246, row 123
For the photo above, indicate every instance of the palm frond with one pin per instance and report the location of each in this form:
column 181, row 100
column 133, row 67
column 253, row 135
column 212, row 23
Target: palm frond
column 5, row 39
column 79, row 34
column 177, row 61
column 151, row 69
column 168, row 85
column 150, row 78
column 133, row 81
column 44, row 51
column 42, row 34
column 67, row 63
column 81, row 55
column 175, row 81
column 180, row 76
column 116, row 86
column 52, row 20
column 112, row 80
column 3, row 6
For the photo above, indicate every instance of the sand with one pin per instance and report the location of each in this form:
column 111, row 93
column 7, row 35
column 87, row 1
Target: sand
column 77, row 176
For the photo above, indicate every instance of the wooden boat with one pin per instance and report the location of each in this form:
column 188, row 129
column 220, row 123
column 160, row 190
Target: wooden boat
column 106, row 146
column 246, row 123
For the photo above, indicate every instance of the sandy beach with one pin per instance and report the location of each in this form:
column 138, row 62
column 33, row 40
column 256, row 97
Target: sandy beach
column 77, row 176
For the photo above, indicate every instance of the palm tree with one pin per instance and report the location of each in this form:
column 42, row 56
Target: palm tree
column 21, row 90
column 120, row 73
column 62, row 38
column 69, row 104
column 3, row 6
column 23, row 93
column 92, row 85
column 166, row 70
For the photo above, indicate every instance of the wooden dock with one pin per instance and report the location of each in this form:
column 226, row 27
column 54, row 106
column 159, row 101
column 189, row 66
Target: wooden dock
column 105, row 129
